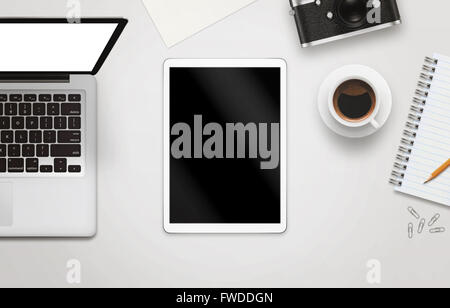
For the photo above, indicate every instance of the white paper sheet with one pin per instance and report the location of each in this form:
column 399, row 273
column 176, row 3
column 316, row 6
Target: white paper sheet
column 177, row 20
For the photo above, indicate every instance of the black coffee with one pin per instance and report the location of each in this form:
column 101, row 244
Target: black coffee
column 354, row 100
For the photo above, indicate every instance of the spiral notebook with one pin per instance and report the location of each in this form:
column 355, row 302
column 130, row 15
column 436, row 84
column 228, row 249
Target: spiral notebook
column 425, row 144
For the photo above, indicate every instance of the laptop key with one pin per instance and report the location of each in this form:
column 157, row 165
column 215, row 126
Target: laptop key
column 65, row 150
column 28, row 150
column 7, row 136
column 59, row 98
column 71, row 109
column 16, row 97
column 74, row 123
column 30, row 97
column 11, row 109
column 2, row 165
column 16, row 165
column 46, row 169
column 45, row 98
column 49, row 136
column 46, row 123
column 32, row 165
column 21, row 136
column 74, row 98
column 14, row 150
column 42, row 150
column 69, row 137
column 32, row 122
column 35, row 136
column 60, row 165
column 18, row 123
column 3, row 98
column 5, row 123
column 25, row 109
column 2, row 150
column 60, row 123
column 75, row 169
column 52, row 109
column 38, row 109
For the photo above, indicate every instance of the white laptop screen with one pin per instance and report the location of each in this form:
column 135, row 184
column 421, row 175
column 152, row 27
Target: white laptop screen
column 53, row 47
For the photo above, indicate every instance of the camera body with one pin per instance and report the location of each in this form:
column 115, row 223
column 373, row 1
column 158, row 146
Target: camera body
column 323, row 21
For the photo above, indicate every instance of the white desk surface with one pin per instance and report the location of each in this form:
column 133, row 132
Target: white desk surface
column 342, row 212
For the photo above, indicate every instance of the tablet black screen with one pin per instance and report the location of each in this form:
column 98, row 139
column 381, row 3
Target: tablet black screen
column 219, row 185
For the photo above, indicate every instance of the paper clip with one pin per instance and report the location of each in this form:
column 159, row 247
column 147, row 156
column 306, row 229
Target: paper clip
column 437, row 230
column 421, row 226
column 434, row 219
column 413, row 212
column 410, row 230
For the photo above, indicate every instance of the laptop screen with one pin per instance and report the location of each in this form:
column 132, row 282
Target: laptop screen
column 53, row 46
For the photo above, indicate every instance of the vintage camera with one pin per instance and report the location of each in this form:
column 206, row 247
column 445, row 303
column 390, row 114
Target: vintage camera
column 323, row 21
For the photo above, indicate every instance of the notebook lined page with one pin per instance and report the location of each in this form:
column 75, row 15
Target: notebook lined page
column 432, row 143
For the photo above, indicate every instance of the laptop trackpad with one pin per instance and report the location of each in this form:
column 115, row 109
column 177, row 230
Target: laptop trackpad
column 6, row 204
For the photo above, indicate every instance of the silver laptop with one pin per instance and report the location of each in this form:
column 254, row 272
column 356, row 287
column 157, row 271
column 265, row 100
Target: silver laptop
column 48, row 103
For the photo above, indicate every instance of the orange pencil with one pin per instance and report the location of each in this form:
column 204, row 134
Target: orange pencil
column 438, row 171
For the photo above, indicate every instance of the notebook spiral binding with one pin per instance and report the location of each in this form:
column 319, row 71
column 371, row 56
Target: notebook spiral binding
column 413, row 123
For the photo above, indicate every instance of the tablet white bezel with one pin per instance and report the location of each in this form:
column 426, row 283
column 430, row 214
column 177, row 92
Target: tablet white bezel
column 225, row 228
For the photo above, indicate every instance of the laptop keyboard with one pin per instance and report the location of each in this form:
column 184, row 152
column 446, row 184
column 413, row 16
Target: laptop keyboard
column 41, row 133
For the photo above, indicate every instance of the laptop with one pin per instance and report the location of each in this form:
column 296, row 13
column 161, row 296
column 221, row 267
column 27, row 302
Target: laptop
column 48, row 103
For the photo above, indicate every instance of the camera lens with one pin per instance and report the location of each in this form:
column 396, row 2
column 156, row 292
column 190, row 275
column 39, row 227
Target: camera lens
column 352, row 12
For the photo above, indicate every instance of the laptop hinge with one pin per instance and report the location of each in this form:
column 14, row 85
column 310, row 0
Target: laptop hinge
column 34, row 78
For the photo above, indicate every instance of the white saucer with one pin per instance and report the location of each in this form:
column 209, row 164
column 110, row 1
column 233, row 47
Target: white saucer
column 376, row 79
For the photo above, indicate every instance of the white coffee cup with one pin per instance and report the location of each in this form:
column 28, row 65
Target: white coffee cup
column 367, row 120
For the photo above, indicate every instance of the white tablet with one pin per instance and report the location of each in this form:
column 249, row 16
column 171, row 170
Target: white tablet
column 225, row 146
